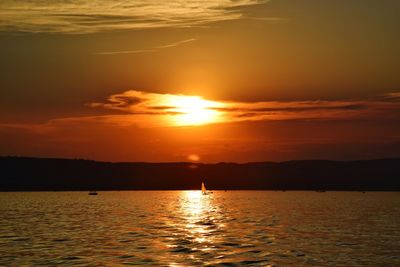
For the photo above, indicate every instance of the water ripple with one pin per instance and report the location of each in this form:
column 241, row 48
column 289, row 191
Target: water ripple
column 185, row 228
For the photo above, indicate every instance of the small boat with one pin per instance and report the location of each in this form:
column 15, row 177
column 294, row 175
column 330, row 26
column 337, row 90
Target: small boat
column 93, row 193
column 203, row 189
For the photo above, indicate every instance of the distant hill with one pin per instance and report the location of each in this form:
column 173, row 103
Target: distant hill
column 20, row 174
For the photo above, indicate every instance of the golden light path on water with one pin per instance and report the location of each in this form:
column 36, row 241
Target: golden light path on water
column 201, row 218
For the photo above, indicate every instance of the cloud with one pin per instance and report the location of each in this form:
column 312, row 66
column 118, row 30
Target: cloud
column 176, row 43
column 139, row 51
column 390, row 97
column 270, row 19
column 142, row 109
column 163, row 107
column 154, row 49
column 138, row 125
column 88, row 16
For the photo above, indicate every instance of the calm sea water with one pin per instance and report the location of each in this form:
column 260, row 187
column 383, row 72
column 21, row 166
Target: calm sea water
column 181, row 228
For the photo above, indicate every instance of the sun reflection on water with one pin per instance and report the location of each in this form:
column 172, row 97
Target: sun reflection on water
column 194, row 202
column 201, row 217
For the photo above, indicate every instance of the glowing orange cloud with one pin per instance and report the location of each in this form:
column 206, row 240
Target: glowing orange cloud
column 168, row 109
column 153, row 109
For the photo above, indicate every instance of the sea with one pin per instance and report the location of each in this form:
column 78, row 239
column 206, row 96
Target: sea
column 186, row 228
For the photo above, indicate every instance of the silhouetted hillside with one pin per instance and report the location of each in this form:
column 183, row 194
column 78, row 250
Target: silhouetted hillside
column 18, row 173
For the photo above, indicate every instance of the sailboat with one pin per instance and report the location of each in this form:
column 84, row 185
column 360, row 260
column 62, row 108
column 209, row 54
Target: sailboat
column 203, row 189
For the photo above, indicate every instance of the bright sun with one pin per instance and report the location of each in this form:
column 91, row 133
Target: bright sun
column 194, row 110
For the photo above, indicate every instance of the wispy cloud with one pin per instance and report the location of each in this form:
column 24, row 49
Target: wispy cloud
column 87, row 16
column 176, row 43
column 154, row 49
column 270, row 19
column 139, row 51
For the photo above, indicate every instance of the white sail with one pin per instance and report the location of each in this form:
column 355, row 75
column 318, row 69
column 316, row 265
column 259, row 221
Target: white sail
column 203, row 189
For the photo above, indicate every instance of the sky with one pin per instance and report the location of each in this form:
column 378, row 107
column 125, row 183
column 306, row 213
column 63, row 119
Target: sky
column 206, row 81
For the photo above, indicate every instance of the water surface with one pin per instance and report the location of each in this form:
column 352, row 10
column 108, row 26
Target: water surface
column 177, row 228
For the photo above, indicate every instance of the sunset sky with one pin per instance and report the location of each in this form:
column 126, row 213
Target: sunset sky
column 207, row 81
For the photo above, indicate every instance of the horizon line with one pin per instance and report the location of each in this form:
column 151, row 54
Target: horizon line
column 197, row 163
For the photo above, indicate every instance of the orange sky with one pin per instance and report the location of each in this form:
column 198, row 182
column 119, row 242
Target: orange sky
column 210, row 81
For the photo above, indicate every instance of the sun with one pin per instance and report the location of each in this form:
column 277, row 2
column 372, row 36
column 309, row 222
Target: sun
column 194, row 110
